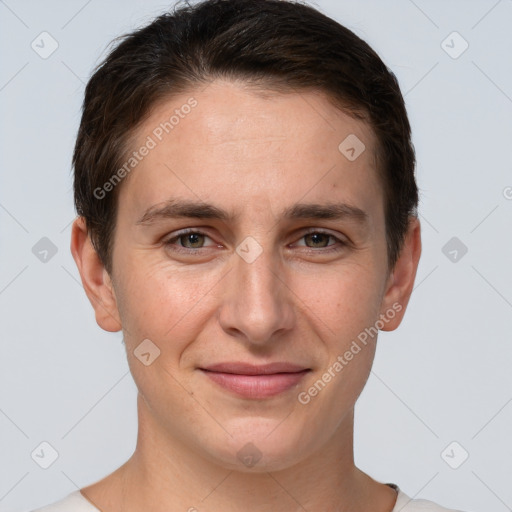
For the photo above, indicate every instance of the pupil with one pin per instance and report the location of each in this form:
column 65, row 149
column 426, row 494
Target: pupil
column 193, row 236
column 315, row 237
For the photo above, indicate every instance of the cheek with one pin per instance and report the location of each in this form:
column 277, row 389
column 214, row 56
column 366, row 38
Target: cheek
column 342, row 306
column 159, row 302
column 344, row 299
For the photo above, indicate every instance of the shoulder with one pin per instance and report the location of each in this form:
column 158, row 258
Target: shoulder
column 406, row 504
column 74, row 502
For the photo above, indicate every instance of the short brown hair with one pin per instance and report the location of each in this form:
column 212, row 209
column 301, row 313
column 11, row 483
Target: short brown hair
column 276, row 44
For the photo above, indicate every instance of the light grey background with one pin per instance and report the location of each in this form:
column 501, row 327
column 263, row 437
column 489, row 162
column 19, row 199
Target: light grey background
column 443, row 376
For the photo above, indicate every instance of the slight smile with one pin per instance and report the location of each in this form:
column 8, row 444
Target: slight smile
column 253, row 381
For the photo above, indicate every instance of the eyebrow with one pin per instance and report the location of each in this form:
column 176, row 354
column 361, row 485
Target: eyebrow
column 178, row 208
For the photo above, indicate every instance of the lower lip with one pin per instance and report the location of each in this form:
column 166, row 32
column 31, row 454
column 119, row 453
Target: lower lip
column 256, row 386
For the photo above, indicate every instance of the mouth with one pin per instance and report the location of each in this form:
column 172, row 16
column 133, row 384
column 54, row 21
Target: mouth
column 253, row 381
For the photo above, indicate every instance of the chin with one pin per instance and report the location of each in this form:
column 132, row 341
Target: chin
column 258, row 445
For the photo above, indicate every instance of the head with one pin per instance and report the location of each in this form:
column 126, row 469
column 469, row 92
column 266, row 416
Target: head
column 247, row 108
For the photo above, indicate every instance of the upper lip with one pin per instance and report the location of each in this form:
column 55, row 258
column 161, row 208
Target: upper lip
column 241, row 368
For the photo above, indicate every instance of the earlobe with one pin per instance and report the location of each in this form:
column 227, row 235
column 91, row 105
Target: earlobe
column 401, row 281
column 95, row 279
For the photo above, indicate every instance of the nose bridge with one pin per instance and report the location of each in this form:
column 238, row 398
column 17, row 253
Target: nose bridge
column 257, row 269
column 256, row 303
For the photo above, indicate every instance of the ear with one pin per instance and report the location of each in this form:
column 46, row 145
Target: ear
column 401, row 280
column 95, row 279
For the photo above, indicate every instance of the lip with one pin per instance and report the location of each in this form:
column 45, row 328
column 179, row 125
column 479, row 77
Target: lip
column 256, row 381
column 241, row 368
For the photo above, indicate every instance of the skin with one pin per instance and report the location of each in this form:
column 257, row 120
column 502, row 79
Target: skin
column 253, row 154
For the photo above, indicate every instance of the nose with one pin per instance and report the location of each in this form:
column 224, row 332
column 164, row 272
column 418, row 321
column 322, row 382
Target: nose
column 257, row 304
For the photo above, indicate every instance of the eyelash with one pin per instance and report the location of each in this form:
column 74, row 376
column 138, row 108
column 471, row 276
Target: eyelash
column 169, row 243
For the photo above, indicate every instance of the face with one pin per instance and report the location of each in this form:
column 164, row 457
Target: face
column 248, row 271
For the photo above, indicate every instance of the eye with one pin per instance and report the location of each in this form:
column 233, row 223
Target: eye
column 191, row 240
column 319, row 240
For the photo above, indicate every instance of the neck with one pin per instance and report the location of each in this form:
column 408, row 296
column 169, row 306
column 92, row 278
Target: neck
column 164, row 475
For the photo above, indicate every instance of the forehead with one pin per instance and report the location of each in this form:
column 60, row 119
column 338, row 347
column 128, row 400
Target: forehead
column 230, row 144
